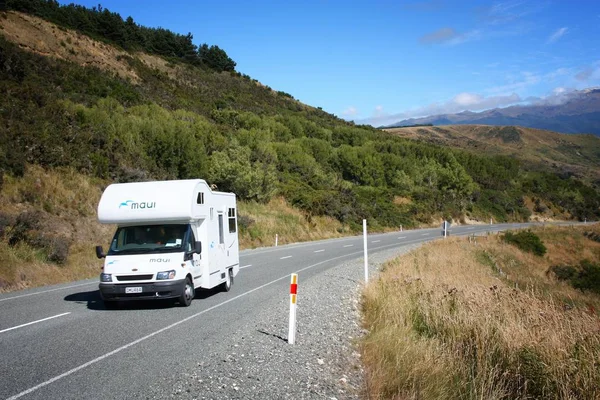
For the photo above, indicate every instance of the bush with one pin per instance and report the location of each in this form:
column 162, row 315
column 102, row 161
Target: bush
column 526, row 241
column 563, row 272
column 26, row 223
column 6, row 221
column 29, row 229
column 57, row 250
column 586, row 277
column 244, row 221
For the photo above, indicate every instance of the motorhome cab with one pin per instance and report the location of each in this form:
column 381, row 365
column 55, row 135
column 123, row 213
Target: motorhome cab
column 172, row 237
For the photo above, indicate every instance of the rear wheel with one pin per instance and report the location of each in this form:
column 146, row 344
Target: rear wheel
column 228, row 282
column 188, row 293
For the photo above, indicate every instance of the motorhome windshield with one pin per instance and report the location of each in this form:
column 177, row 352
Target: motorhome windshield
column 151, row 239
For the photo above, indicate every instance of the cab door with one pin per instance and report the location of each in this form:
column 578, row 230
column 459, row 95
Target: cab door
column 193, row 259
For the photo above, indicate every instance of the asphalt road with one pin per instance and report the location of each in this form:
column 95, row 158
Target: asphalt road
column 60, row 342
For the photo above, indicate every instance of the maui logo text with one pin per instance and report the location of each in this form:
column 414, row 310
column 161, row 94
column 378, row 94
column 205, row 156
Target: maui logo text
column 135, row 205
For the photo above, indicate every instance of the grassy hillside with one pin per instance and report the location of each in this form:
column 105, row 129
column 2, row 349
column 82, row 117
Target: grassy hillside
column 460, row 319
column 577, row 155
column 83, row 109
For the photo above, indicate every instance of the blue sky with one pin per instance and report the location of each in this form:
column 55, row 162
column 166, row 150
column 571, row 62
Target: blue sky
column 379, row 62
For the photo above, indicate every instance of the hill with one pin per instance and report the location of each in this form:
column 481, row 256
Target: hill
column 566, row 155
column 574, row 112
column 81, row 110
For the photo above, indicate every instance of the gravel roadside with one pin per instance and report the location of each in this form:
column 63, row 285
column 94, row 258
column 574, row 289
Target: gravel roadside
column 323, row 364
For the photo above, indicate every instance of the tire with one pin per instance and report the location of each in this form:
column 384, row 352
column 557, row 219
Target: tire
column 226, row 286
column 188, row 293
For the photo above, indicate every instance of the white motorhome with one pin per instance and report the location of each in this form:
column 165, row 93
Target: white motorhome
column 172, row 237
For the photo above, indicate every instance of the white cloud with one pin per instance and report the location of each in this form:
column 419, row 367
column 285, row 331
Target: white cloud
column 558, row 34
column 584, row 74
column 460, row 102
column 523, row 80
column 350, row 111
column 449, row 36
column 379, row 112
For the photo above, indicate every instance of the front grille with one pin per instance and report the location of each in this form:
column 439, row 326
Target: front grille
column 124, row 278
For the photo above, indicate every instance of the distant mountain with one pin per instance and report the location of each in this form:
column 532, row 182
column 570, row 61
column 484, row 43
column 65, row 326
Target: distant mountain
column 574, row 112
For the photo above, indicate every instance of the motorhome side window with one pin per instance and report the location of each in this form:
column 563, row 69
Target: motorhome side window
column 200, row 198
column 231, row 215
column 221, row 236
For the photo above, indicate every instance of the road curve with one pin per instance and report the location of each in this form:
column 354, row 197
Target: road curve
column 60, row 341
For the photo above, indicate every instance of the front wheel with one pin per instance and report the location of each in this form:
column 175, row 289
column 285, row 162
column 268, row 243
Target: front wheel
column 228, row 282
column 188, row 293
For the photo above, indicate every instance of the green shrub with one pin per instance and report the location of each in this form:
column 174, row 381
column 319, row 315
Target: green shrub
column 586, row 277
column 526, row 241
column 563, row 272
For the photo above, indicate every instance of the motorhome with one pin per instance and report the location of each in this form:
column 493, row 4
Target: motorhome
column 172, row 237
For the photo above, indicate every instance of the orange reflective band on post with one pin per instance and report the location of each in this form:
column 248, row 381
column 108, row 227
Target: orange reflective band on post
column 294, row 279
column 293, row 299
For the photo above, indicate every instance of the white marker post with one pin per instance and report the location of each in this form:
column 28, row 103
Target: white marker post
column 293, row 294
column 276, row 239
column 491, row 221
column 400, row 228
column 366, row 253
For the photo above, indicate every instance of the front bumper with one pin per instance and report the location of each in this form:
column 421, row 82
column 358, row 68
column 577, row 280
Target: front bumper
column 154, row 290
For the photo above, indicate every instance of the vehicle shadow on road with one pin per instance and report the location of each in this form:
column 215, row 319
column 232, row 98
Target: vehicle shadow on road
column 202, row 294
column 93, row 301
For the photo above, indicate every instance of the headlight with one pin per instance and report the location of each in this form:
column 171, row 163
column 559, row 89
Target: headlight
column 165, row 275
column 105, row 277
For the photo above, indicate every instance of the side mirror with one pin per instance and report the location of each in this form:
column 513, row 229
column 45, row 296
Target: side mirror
column 198, row 247
column 100, row 252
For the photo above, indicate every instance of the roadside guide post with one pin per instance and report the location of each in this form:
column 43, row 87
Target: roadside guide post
column 365, row 250
column 445, row 226
column 276, row 239
column 293, row 295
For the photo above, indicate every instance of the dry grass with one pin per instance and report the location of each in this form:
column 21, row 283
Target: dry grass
column 455, row 320
column 68, row 200
column 45, row 38
column 290, row 224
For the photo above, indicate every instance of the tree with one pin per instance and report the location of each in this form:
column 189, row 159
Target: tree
column 216, row 58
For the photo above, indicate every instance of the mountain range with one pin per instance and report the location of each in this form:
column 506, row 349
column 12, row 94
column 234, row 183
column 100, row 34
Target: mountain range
column 576, row 111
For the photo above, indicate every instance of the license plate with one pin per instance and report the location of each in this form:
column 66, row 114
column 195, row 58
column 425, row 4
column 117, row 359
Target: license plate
column 133, row 290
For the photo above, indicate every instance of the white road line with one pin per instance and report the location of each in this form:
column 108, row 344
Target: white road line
column 318, row 251
column 470, row 228
column 34, row 322
column 283, row 258
column 128, row 345
column 402, row 237
column 49, row 290
column 425, row 234
column 246, row 266
column 120, row 349
column 348, row 245
column 375, row 241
